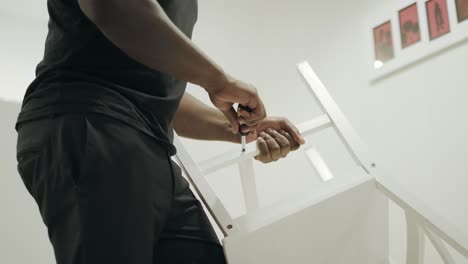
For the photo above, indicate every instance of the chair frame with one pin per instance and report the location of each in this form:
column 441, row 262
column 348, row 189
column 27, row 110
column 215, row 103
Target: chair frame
column 420, row 220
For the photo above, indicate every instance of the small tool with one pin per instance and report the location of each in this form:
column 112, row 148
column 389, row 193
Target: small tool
column 243, row 134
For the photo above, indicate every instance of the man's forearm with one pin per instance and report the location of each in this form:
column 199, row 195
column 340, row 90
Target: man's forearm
column 196, row 120
column 143, row 31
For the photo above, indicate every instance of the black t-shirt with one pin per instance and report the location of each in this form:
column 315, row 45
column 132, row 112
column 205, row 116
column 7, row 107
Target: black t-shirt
column 82, row 71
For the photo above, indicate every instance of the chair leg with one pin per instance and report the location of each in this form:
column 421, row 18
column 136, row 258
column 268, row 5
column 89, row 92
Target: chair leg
column 415, row 240
column 439, row 246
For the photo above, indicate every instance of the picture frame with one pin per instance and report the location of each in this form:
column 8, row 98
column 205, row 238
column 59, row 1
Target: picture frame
column 437, row 18
column 462, row 10
column 407, row 56
column 383, row 42
column 410, row 32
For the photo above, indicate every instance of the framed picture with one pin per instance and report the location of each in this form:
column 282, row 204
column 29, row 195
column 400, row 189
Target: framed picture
column 383, row 42
column 409, row 25
column 462, row 10
column 437, row 18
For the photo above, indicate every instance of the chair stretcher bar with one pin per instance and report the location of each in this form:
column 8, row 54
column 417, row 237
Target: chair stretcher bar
column 232, row 157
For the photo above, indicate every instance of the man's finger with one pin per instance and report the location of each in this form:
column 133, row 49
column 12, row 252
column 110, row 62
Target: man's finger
column 253, row 115
column 258, row 113
column 245, row 114
column 250, row 123
column 294, row 144
column 241, row 121
column 247, row 129
column 275, row 149
column 232, row 117
column 249, row 119
column 264, row 155
column 282, row 141
column 257, row 110
column 292, row 129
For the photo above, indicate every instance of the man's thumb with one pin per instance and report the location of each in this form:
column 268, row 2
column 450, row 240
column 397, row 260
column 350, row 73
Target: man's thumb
column 231, row 115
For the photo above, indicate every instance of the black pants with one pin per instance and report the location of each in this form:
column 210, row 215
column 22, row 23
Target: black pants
column 109, row 193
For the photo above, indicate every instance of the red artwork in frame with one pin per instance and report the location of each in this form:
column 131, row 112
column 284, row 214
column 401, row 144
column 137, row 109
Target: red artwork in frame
column 409, row 25
column 462, row 10
column 383, row 42
column 437, row 18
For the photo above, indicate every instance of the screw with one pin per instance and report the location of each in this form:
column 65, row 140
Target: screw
column 373, row 165
column 229, row 226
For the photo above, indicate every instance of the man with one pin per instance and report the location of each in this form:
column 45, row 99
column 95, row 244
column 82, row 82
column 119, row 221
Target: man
column 95, row 132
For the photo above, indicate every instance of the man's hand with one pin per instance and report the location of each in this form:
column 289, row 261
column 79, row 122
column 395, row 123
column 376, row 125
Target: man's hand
column 276, row 137
column 232, row 91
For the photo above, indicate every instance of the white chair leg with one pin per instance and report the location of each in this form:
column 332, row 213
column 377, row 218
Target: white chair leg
column 249, row 186
column 319, row 164
column 207, row 195
column 439, row 246
column 414, row 240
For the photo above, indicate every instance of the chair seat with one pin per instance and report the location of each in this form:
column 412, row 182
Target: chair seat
column 348, row 224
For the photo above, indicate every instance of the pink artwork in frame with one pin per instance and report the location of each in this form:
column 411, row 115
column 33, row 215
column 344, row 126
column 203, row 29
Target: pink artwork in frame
column 383, row 42
column 409, row 26
column 437, row 18
column 462, row 10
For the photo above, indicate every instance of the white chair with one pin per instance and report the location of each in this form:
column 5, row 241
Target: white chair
column 344, row 223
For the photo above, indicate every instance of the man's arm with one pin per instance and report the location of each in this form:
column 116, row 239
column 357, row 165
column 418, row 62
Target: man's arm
column 196, row 120
column 142, row 30
column 275, row 137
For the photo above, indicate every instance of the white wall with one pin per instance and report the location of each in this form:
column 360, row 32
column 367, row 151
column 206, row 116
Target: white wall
column 412, row 121
column 23, row 31
column 23, row 236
